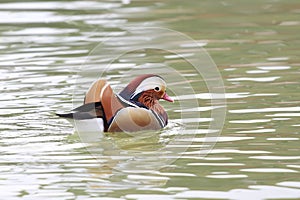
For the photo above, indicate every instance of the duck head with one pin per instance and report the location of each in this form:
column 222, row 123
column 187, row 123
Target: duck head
column 147, row 89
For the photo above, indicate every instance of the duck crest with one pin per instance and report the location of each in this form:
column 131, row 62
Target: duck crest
column 130, row 89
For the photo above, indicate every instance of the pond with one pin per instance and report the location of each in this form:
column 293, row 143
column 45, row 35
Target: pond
column 233, row 68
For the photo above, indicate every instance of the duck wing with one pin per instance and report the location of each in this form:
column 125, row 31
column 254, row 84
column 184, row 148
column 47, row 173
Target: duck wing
column 100, row 102
column 85, row 111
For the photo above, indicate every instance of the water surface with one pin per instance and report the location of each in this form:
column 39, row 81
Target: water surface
column 44, row 67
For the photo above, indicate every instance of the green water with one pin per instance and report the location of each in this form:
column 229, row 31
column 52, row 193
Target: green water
column 50, row 54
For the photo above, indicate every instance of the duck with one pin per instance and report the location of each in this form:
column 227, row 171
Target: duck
column 135, row 108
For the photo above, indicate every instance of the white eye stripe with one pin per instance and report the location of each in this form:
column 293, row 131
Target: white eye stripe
column 148, row 84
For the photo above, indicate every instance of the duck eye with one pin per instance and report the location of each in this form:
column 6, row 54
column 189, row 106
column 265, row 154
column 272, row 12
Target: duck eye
column 156, row 89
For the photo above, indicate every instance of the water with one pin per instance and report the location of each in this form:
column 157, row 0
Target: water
column 44, row 68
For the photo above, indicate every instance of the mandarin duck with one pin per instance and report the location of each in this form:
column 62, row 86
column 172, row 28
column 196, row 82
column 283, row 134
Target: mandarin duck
column 135, row 108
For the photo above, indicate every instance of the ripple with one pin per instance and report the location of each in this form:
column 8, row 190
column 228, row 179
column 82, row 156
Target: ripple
column 215, row 164
column 261, row 79
column 9, row 127
column 222, row 96
column 260, row 110
column 269, row 170
column 26, row 17
column 199, row 109
column 275, row 157
column 294, row 166
column 141, row 177
column 197, row 131
column 200, row 157
column 227, row 176
column 176, row 174
column 290, row 23
column 250, row 121
column 217, row 158
column 278, row 59
column 289, row 184
column 11, row 111
column 42, row 79
column 194, row 44
column 217, row 139
column 258, row 192
column 149, row 196
column 192, row 120
column 257, row 71
column 274, row 67
column 280, row 119
column 220, row 151
column 75, row 5
column 179, row 56
column 282, row 139
column 40, row 31
column 107, row 22
column 52, row 194
column 284, row 115
column 230, row 69
column 263, row 130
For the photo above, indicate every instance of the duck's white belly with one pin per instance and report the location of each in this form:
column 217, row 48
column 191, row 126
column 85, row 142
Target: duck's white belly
column 89, row 125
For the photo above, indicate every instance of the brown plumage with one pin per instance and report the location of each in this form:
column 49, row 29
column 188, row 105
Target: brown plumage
column 136, row 108
column 150, row 100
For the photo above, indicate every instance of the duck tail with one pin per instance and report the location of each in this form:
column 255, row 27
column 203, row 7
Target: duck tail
column 78, row 115
column 66, row 115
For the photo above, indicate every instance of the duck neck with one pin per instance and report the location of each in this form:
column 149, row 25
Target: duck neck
column 152, row 103
column 148, row 100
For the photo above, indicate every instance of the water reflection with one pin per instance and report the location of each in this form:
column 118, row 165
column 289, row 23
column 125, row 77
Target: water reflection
column 43, row 46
